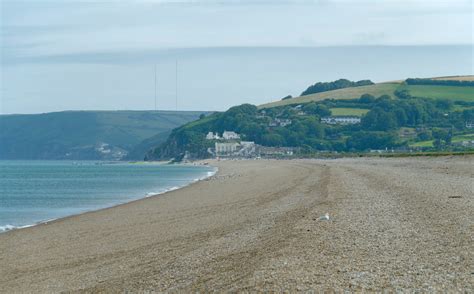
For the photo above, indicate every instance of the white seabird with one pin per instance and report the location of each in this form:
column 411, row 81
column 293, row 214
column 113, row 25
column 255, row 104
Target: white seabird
column 324, row 217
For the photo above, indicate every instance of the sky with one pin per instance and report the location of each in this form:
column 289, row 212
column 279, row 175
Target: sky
column 102, row 55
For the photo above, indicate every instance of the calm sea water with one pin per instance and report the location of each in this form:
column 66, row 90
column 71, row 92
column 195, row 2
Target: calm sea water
column 36, row 191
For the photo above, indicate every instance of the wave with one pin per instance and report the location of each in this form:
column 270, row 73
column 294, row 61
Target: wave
column 149, row 194
column 208, row 175
column 6, row 228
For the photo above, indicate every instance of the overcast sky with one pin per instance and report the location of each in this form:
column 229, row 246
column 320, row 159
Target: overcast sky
column 60, row 55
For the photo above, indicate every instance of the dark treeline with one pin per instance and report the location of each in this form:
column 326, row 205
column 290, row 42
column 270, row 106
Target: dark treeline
column 457, row 83
column 339, row 84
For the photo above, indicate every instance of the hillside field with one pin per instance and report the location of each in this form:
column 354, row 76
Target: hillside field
column 456, row 139
column 454, row 93
column 441, row 92
column 342, row 111
column 346, row 93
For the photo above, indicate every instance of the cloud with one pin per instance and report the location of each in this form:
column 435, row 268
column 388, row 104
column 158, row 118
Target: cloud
column 55, row 31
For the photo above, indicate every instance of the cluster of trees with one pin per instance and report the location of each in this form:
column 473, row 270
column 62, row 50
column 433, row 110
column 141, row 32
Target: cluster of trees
column 457, row 83
column 339, row 84
column 389, row 114
column 364, row 140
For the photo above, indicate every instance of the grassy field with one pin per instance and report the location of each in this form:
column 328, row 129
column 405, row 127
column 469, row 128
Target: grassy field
column 441, row 92
column 423, row 144
column 466, row 137
column 462, row 107
column 456, row 139
column 388, row 88
column 348, row 111
column 346, row 93
column 456, row 78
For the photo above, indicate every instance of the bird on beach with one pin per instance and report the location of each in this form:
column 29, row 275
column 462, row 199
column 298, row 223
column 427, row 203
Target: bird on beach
column 324, row 217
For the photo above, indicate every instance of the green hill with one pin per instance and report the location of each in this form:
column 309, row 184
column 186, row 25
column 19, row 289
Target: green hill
column 75, row 135
column 401, row 115
column 455, row 93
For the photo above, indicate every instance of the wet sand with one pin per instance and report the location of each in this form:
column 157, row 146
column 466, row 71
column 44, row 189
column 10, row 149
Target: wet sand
column 398, row 224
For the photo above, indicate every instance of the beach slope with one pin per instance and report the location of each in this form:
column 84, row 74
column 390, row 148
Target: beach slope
column 393, row 224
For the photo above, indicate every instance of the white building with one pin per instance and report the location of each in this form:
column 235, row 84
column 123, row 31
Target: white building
column 343, row 120
column 285, row 122
column 228, row 135
column 247, row 148
column 226, row 149
column 212, row 136
column 282, row 122
column 242, row 149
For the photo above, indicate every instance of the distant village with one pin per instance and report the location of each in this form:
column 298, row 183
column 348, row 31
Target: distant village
column 230, row 145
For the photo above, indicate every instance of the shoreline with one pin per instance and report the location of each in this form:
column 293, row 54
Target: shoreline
column 9, row 228
column 256, row 227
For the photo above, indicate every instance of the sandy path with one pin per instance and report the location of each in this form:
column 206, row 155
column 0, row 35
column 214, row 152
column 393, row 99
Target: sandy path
column 255, row 227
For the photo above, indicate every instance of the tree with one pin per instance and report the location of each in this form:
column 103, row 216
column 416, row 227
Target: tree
column 379, row 120
column 444, row 104
column 440, row 134
column 338, row 84
column 273, row 139
column 367, row 99
column 425, row 135
column 317, row 109
column 371, row 140
column 402, row 94
column 314, row 128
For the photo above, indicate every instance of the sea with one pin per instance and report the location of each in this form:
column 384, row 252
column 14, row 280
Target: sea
column 32, row 192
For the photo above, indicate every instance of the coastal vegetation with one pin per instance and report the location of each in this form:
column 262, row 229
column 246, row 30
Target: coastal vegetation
column 339, row 84
column 397, row 121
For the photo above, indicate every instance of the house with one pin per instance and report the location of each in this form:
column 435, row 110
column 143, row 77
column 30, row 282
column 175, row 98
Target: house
column 282, row 122
column 226, row 149
column 247, row 149
column 276, row 151
column 407, row 133
column 343, row 120
column 234, row 149
column 300, row 113
column 465, row 143
column 470, row 125
column 212, row 136
column 229, row 135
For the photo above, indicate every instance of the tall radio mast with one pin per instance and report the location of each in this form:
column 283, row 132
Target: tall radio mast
column 155, row 87
column 176, row 84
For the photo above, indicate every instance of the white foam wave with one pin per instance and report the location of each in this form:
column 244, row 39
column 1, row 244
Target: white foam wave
column 208, row 174
column 7, row 228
